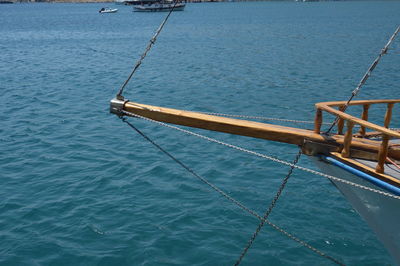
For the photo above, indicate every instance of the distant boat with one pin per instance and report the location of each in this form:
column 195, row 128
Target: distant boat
column 108, row 10
column 159, row 7
column 140, row 2
column 120, row 2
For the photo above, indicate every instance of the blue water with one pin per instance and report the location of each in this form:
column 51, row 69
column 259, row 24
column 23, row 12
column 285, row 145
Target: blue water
column 79, row 187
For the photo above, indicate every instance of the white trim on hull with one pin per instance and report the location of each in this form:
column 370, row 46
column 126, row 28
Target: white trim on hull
column 381, row 213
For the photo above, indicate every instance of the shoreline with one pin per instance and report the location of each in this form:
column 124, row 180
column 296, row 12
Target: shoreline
column 112, row 1
column 187, row 1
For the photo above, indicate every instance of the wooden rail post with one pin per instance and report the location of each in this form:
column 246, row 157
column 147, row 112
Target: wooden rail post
column 318, row 121
column 347, row 139
column 382, row 154
column 340, row 123
column 388, row 115
column 364, row 116
column 383, row 150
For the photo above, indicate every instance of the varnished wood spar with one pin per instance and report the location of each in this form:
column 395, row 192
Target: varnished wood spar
column 223, row 124
column 246, row 128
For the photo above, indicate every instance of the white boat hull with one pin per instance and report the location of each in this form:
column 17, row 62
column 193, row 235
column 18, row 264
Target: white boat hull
column 382, row 213
column 108, row 11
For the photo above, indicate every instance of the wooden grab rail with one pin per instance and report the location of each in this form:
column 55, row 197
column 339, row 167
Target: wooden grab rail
column 359, row 102
column 363, row 122
column 328, row 108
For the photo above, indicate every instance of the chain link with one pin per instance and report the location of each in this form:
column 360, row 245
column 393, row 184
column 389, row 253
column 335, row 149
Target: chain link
column 271, row 158
column 149, row 45
column 263, row 118
column 267, row 118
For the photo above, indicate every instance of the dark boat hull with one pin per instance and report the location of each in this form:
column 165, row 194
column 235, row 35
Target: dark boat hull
column 159, row 8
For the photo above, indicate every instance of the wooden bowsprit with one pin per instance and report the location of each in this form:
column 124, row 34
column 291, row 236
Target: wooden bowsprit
column 358, row 147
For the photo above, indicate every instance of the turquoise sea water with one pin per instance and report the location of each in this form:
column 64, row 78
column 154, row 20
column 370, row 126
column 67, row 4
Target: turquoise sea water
column 79, row 187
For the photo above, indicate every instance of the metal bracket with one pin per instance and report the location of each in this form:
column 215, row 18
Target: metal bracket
column 117, row 105
column 313, row 148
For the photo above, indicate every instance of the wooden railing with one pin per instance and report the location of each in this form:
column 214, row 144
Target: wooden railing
column 351, row 121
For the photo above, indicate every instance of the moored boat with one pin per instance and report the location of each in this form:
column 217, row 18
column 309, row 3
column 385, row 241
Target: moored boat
column 159, row 7
column 139, row 2
column 108, row 10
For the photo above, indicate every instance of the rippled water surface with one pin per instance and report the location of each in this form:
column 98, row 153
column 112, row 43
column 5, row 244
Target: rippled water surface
column 79, row 187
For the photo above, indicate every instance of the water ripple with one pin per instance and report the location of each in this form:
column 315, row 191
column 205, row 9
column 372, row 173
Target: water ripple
column 80, row 188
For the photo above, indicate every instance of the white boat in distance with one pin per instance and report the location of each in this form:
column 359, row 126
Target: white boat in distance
column 108, row 10
column 159, row 7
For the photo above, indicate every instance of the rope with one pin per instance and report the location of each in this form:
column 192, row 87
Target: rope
column 366, row 76
column 268, row 212
column 151, row 42
column 231, row 199
column 271, row 158
column 393, row 162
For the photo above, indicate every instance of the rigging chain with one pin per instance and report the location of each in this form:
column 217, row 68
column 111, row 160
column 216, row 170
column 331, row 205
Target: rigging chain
column 151, row 42
column 263, row 220
column 263, row 118
column 365, row 77
column 271, row 118
column 271, row 158
column 269, row 210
